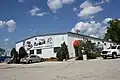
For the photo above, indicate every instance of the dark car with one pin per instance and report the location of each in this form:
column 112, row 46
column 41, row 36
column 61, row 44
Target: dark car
column 3, row 58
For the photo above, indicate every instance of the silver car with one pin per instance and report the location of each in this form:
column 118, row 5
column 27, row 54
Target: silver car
column 31, row 59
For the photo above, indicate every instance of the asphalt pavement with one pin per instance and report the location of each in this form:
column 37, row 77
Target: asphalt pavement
column 71, row 70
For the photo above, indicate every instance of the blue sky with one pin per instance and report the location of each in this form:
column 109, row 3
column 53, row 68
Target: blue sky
column 23, row 18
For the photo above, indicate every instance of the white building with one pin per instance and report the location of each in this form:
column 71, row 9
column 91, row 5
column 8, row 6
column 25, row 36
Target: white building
column 46, row 45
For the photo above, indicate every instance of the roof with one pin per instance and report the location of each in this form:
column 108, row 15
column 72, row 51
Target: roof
column 69, row 33
column 41, row 35
column 75, row 34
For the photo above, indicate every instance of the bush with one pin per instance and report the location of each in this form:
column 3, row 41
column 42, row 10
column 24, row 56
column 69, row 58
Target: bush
column 91, row 55
column 52, row 58
column 22, row 53
column 62, row 53
column 15, row 55
column 59, row 56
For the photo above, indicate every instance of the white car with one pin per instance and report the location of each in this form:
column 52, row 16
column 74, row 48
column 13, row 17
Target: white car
column 113, row 52
column 31, row 59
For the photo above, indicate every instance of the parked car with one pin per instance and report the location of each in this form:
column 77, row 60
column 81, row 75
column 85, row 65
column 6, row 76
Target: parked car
column 3, row 58
column 31, row 59
column 113, row 52
column 12, row 60
column 9, row 61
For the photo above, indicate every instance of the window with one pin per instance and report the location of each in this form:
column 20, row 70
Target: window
column 105, row 44
column 56, row 49
column 35, row 38
column 98, row 42
column 31, row 51
column 39, row 51
column 113, row 47
column 118, row 47
column 33, row 56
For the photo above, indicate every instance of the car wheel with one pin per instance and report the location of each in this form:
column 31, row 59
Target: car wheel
column 104, row 57
column 29, row 62
column 114, row 56
column 42, row 60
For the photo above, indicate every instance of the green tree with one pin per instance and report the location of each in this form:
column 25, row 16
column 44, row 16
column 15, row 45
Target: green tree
column 113, row 31
column 2, row 51
column 14, row 54
column 22, row 53
column 89, row 49
column 63, row 52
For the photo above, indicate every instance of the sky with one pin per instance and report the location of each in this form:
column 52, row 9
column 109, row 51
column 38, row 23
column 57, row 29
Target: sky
column 20, row 19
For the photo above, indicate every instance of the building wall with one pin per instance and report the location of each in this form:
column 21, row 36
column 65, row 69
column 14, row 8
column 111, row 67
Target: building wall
column 71, row 40
column 47, row 46
column 48, row 43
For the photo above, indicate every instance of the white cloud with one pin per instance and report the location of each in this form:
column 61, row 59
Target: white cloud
column 74, row 9
column 1, row 24
column 88, row 9
column 6, row 39
column 91, row 17
column 11, row 24
column 85, row 4
column 54, row 5
column 73, row 30
column 21, row 0
column 92, row 28
column 35, row 11
column 102, row 2
column 106, row 20
column 67, row 1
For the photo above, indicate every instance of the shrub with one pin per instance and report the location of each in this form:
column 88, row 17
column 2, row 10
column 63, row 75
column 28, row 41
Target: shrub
column 52, row 58
column 62, row 53
column 89, row 49
column 14, row 55
column 91, row 55
column 59, row 56
column 22, row 53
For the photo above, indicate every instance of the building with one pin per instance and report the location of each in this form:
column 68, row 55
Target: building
column 46, row 46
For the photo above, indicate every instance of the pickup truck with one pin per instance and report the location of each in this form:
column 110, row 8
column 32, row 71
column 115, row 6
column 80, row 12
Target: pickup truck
column 113, row 52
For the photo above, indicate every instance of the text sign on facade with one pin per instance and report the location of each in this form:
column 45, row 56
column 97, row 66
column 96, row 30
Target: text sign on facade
column 38, row 43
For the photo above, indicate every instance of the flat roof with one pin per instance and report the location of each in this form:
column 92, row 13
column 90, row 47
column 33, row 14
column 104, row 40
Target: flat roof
column 42, row 35
column 69, row 33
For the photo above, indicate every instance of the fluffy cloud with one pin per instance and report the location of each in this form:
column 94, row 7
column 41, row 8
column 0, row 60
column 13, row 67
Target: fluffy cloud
column 67, row 1
column 6, row 39
column 21, row 0
column 2, row 24
column 74, row 9
column 106, row 20
column 88, row 9
column 11, row 25
column 35, row 11
column 102, row 2
column 92, row 28
column 54, row 5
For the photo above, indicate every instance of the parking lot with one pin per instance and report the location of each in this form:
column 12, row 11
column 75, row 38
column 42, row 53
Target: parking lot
column 73, row 70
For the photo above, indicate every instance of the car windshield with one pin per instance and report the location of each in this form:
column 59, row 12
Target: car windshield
column 113, row 47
